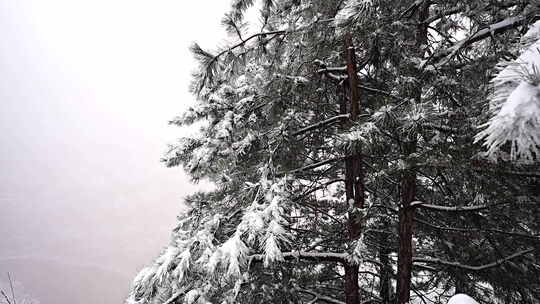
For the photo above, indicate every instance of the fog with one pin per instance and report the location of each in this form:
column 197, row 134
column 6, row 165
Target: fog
column 86, row 90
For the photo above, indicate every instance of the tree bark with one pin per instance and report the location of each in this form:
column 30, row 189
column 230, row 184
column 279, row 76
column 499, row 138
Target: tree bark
column 408, row 181
column 354, row 185
column 352, row 290
column 385, row 291
column 406, row 219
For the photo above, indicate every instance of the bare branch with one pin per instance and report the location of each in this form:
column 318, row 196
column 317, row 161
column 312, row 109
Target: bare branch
column 5, row 296
column 12, row 291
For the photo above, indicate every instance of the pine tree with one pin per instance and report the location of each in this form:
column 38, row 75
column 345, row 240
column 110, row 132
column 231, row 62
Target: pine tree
column 340, row 139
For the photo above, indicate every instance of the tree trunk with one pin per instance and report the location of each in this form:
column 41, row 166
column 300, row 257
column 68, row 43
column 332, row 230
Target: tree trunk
column 406, row 216
column 408, row 181
column 352, row 290
column 385, row 291
column 354, row 185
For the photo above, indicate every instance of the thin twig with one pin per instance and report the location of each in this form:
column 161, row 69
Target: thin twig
column 12, row 291
column 5, row 296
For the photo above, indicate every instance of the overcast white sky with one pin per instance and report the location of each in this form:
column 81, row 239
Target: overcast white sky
column 86, row 90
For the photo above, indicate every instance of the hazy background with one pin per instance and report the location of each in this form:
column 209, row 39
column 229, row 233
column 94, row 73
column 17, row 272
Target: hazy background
column 86, row 90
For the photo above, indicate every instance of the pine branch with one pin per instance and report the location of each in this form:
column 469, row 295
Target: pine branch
column 335, row 73
column 210, row 63
column 440, row 14
column 313, row 189
column 448, row 208
column 482, row 34
column 476, row 230
column 483, row 167
column 471, row 267
column 313, row 166
column 324, row 69
column 440, row 128
column 239, row 7
column 319, row 297
column 173, row 298
column 230, row 25
column 310, row 256
column 460, row 9
column 407, row 13
column 321, row 124
column 330, row 72
column 377, row 91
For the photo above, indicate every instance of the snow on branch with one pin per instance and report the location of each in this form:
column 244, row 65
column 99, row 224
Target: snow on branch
column 321, row 124
column 438, row 14
column 516, row 104
column 210, row 61
column 336, row 73
column 341, row 70
column 486, row 32
column 471, row 267
column 310, row 256
column 449, row 208
column 314, row 166
column 232, row 254
column 357, row 11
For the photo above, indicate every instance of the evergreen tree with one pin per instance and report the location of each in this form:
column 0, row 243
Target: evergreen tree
column 340, row 139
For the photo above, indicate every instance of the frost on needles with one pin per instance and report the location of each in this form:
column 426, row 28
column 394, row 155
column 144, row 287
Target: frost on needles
column 515, row 103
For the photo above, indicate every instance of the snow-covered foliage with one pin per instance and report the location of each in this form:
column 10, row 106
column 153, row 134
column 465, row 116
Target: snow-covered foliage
column 311, row 203
column 354, row 11
column 516, row 105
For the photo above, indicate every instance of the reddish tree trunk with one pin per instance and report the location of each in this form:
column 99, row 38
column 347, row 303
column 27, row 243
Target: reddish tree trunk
column 405, row 255
column 354, row 185
column 408, row 181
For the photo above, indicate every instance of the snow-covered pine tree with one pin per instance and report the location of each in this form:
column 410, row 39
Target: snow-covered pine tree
column 340, row 139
